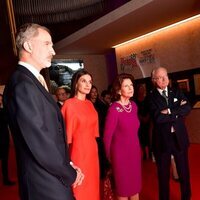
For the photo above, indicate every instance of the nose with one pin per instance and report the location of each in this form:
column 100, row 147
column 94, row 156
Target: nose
column 130, row 87
column 88, row 83
column 53, row 51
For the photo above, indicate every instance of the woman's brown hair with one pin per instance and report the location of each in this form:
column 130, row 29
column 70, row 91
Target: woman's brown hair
column 75, row 79
column 117, row 83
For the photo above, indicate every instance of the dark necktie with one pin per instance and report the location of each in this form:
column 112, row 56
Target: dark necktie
column 164, row 95
column 166, row 98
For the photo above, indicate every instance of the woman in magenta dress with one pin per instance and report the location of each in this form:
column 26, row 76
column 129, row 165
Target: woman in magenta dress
column 121, row 140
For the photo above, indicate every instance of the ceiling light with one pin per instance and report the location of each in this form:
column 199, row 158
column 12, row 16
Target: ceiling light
column 156, row 31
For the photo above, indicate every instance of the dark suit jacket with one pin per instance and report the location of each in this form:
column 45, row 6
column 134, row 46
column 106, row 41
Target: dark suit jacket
column 59, row 104
column 38, row 130
column 163, row 123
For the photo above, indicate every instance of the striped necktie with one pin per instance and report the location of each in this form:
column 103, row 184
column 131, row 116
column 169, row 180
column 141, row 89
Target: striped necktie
column 165, row 95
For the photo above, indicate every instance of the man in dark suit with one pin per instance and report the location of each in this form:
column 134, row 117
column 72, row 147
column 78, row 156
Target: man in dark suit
column 4, row 144
column 168, row 108
column 44, row 167
column 62, row 95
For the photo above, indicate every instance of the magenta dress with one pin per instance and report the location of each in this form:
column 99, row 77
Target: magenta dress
column 123, row 149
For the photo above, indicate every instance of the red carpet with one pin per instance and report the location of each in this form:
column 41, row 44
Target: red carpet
column 149, row 190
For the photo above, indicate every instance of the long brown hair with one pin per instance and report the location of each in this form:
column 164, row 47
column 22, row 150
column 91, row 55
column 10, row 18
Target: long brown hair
column 75, row 79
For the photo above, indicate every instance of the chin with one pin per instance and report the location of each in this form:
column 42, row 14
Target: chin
column 47, row 65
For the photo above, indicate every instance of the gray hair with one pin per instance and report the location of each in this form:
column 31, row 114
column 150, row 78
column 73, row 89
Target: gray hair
column 153, row 72
column 26, row 32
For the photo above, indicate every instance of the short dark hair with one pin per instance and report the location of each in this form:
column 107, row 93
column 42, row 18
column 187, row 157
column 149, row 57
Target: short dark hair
column 116, row 86
column 88, row 96
column 104, row 93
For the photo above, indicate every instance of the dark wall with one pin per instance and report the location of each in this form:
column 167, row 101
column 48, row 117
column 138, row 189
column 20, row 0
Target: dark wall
column 111, row 65
column 174, row 77
column 7, row 57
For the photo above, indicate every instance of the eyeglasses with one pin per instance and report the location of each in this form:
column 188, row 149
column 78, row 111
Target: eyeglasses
column 160, row 77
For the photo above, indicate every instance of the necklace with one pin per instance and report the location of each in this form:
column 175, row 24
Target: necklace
column 127, row 108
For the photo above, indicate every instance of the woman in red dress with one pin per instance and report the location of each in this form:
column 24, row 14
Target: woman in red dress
column 82, row 129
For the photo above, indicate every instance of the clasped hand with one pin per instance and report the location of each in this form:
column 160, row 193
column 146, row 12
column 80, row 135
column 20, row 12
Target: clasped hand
column 80, row 176
column 183, row 103
column 166, row 111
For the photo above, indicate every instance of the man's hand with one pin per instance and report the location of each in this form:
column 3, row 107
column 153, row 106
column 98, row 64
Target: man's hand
column 165, row 111
column 183, row 103
column 80, row 176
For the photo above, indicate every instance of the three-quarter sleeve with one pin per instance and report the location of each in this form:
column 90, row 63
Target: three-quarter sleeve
column 110, row 127
column 69, row 121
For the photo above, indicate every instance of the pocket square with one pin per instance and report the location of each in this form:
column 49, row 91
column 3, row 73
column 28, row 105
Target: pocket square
column 175, row 99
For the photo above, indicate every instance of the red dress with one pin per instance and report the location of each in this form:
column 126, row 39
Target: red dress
column 82, row 129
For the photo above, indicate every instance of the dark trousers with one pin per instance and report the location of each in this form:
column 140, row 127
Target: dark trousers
column 4, row 166
column 163, row 161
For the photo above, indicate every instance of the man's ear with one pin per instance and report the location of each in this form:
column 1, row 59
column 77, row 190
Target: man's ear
column 27, row 47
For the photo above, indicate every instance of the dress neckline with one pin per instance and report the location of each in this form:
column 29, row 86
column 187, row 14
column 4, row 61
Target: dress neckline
column 80, row 100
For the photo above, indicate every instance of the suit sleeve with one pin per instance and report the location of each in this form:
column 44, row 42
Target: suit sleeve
column 42, row 131
column 177, row 110
column 155, row 110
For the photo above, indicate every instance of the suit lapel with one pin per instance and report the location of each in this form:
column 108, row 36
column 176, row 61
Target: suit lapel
column 170, row 96
column 40, row 87
column 159, row 98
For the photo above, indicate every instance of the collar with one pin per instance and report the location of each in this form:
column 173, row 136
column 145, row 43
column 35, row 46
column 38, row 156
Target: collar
column 32, row 69
column 61, row 102
column 160, row 90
